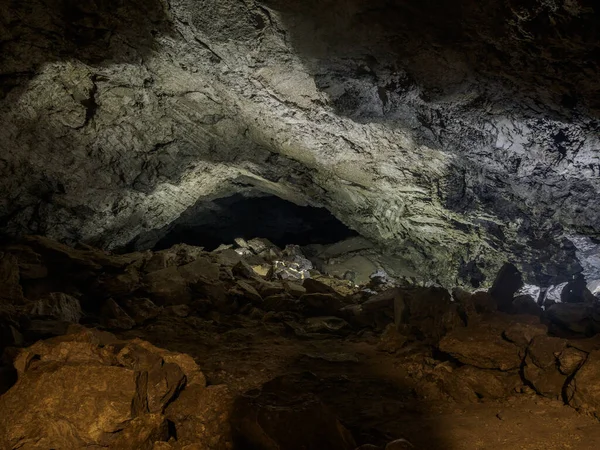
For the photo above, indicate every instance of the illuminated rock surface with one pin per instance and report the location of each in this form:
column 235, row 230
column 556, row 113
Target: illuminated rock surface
column 457, row 134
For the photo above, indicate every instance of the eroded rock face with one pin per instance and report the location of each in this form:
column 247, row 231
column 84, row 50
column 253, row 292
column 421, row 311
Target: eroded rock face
column 460, row 135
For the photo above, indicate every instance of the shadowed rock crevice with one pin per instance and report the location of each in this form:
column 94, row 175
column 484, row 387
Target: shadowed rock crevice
column 238, row 216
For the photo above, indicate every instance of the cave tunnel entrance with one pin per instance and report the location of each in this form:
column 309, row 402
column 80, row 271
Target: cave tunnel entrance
column 271, row 217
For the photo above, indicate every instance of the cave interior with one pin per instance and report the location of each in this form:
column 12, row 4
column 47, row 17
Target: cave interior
column 291, row 225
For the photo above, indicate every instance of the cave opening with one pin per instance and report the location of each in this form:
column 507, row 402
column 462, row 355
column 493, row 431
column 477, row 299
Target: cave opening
column 266, row 216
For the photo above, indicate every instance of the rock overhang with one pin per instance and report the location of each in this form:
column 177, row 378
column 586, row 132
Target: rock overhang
column 450, row 137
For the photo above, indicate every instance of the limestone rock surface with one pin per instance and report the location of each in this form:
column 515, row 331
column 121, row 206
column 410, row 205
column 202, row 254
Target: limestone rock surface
column 458, row 136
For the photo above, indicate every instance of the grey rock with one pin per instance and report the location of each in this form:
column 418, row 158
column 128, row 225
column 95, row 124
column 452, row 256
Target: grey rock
column 59, row 306
column 115, row 317
column 453, row 159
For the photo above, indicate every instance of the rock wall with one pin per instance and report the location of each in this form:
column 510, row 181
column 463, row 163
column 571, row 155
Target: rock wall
column 457, row 134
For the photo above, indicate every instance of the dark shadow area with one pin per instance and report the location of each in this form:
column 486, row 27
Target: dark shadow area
column 548, row 51
column 280, row 221
column 34, row 32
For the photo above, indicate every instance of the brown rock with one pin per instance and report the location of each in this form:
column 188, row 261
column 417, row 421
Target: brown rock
column 570, row 360
column 521, row 333
column 429, row 312
column 268, row 288
column 88, row 389
column 201, row 414
column 541, row 365
column 178, row 310
column 177, row 255
column 399, row 444
column 575, row 317
column 391, row 340
column 469, row 384
column 584, row 389
column 481, row 346
column 276, row 418
column 473, row 305
column 141, row 433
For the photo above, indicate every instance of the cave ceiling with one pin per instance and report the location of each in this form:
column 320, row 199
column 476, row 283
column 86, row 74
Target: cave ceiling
column 457, row 134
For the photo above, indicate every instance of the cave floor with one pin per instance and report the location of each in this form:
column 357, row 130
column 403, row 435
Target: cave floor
column 371, row 390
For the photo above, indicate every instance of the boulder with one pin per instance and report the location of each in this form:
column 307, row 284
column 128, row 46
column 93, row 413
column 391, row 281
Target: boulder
column 201, row 414
column 58, row 305
column 167, row 287
column 357, row 269
column 525, row 304
column 321, row 304
column 140, row 310
column 247, row 291
column 202, row 270
column 570, row 360
column 541, row 368
column 472, row 306
column 121, row 284
column 278, row 417
column 578, row 318
column 268, row 288
column 482, row 346
column 428, row 312
column 521, row 333
column 391, row 340
column 507, row 283
column 115, row 317
column 86, row 258
column 583, row 392
column 89, row 389
column 294, row 289
column 576, row 291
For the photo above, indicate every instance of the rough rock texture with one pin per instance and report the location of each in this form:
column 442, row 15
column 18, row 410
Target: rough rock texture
column 459, row 134
column 348, row 365
column 89, row 389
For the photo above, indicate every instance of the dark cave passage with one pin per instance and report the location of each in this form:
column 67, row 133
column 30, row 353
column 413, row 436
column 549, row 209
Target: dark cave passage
column 280, row 221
